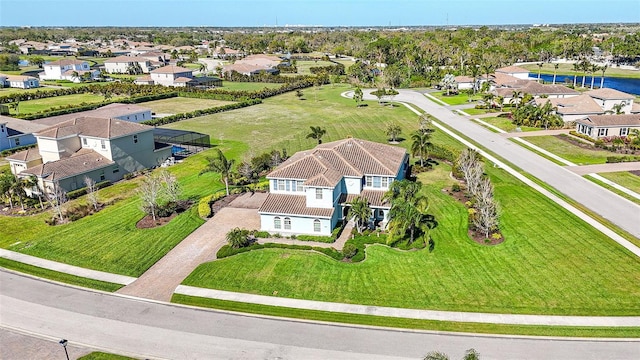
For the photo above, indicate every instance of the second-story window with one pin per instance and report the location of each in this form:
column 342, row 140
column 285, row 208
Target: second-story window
column 318, row 194
column 84, row 141
column 103, row 144
column 368, row 181
column 385, row 182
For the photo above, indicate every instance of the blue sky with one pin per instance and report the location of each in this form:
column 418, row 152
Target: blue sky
column 312, row 12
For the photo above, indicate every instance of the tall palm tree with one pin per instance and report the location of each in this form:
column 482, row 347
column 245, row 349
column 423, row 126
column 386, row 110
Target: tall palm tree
column 361, row 211
column 393, row 130
column 539, row 70
column 31, row 182
column 316, row 133
column 593, row 69
column 584, row 66
column 402, row 189
column 603, row 69
column 409, row 216
column 576, row 68
column 220, row 164
column 421, row 144
column 555, row 72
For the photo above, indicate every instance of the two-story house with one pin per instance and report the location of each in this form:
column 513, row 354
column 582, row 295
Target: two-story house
column 17, row 132
column 67, row 69
column 169, row 75
column 128, row 65
column 608, row 98
column 100, row 148
column 311, row 191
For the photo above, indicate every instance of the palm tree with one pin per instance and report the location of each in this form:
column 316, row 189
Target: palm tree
column 603, row 69
column 539, row 70
column 402, row 189
column 220, row 164
column 555, row 71
column 515, row 97
column 617, row 108
column 31, row 182
column 6, row 187
column 576, row 68
column 593, row 69
column 316, row 133
column 421, row 144
column 584, row 66
column 238, row 238
column 361, row 211
column 406, row 215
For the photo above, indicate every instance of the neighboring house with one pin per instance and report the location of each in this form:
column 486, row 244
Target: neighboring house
column 534, row 89
column 465, row 82
column 311, row 191
column 255, row 64
column 127, row 65
column 573, row 108
column 598, row 126
column 128, row 112
column 515, row 71
column 607, row 98
column 17, row 132
column 67, row 69
column 177, row 76
column 19, row 81
column 100, row 148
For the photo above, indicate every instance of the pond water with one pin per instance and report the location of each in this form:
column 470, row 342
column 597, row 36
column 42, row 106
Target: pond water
column 23, row 63
column 628, row 85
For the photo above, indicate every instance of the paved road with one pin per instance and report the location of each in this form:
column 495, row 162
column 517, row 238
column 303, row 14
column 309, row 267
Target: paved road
column 157, row 330
column 610, row 206
column 604, row 168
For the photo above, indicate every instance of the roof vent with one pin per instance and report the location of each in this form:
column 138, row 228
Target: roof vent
column 84, row 163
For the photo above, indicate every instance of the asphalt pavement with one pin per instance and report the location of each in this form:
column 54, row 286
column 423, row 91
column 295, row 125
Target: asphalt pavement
column 150, row 329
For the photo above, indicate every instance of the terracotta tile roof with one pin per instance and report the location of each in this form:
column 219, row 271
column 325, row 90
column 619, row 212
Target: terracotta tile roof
column 501, row 79
column 292, row 205
column 81, row 162
column 183, row 80
column 170, row 69
column 575, row 105
column 244, row 68
column 374, row 197
column 108, row 111
column 463, row 79
column 609, row 94
column 25, row 155
column 63, row 62
column 349, row 157
column 611, row 120
column 328, row 178
column 93, row 126
column 635, row 108
column 535, row 88
column 512, row 70
column 126, row 59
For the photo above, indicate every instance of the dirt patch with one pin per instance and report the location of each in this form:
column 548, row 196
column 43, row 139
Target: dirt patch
column 635, row 172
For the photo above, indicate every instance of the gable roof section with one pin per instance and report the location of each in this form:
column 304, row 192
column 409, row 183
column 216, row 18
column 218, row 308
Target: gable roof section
column 105, row 128
column 512, row 70
column 582, row 104
column 21, row 126
column 609, row 94
column 295, row 205
column 611, row 120
column 328, row 163
column 25, row 155
column 81, row 162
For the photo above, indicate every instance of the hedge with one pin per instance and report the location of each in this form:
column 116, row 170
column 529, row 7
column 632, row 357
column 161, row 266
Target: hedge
column 214, row 110
column 581, row 136
column 226, row 250
column 316, row 238
column 83, row 191
column 204, row 205
column 11, row 151
column 443, row 153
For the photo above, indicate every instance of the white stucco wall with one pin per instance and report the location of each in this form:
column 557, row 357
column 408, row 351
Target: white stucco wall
column 299, row 225
column 353, row 185
column 325, row 202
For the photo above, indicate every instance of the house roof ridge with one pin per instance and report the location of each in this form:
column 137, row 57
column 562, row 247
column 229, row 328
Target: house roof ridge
column 347, row 162
column 370, row 154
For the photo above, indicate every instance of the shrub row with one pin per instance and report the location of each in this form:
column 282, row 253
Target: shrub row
column 204, row 205
column 337, row 69
column 11, row 151
column 443, row 153
column 582, row 136
column 214, row 110
column 75, row 109
column 619, row 159
column 267, row 78
column 82, row 191
column 316, row 238
column 112, row 88
column 227, row 250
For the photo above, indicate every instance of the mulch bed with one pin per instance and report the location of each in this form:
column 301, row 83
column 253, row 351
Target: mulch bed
column 474, row 235
column 589, row 146
column 147, row 222
column 222, row 203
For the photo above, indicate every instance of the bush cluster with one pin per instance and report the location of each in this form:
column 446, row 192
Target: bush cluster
column 227, row 250
column 337, row 69
column 214, row 110
column 582, row 136
column 83, row 191
column 619, row 159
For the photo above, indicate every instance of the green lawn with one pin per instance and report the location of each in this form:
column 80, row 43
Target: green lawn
column 568, row 151
column 479, row 111
column 10, row 91
column 459, row 99
column 545, row 267
column 304, row 66
column 624, row 178
column 567, row 69
column 248, row 86
column 506, row 124
column 283, row 121
column 182, row 104
column 97, row 355
column 33, row 106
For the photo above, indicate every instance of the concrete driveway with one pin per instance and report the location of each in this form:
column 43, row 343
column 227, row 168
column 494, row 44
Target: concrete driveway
column 159, row 282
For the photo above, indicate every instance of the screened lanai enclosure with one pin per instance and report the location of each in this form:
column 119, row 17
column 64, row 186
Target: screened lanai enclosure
column 183, row 143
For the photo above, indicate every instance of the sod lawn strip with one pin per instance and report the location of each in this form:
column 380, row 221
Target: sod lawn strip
column 45, row 104
column 550, row 263
column 613, row 189
column 569, row 151
column 405, row 323
column 505, row 124
column 178, row 105
column 624, row 178
column 97, row 355
column 457, row 99
column 59, row 276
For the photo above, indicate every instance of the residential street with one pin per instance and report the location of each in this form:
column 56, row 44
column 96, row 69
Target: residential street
column 610, row 206
column 157, row 330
